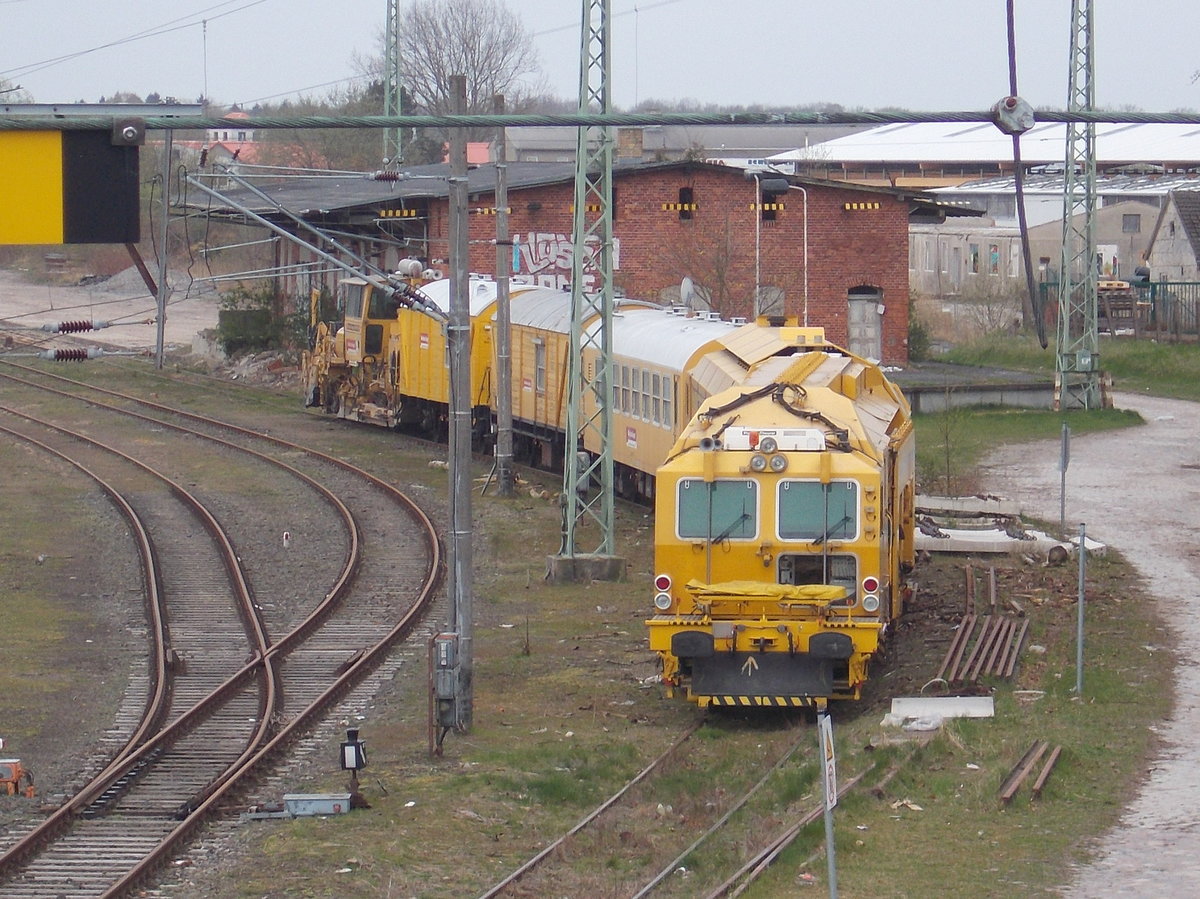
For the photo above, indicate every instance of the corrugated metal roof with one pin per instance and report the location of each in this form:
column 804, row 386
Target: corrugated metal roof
column 983, row 142
column 543, row 307
column 656, row 336
column 1188, row 204
column 329, row 194
column 1052, row 185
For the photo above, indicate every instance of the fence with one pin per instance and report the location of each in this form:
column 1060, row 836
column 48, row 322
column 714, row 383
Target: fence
column 1167, row 311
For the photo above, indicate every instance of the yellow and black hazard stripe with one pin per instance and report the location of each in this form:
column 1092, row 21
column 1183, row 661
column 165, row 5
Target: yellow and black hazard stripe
column 66, row 187
column 779, row 702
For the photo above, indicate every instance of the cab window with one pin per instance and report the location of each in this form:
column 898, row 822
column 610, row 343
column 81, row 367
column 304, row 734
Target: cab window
column 381, row 305
column 718, row 510
column 354, row 300
column 810, row 510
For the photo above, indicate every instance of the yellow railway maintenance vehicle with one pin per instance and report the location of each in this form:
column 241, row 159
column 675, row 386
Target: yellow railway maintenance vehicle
column 385, row 361
column 783, row 523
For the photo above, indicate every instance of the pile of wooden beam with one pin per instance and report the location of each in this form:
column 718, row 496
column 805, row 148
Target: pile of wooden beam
column 983, row 645
column 1025, row 766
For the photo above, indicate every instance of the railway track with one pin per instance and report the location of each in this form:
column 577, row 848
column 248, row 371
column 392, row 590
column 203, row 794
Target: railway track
column 636, row 844
column 722, row 843
column 224, row 716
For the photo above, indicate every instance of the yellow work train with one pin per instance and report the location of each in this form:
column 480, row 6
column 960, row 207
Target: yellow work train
column 783, row 524
column 385, row 362
column 781, row 466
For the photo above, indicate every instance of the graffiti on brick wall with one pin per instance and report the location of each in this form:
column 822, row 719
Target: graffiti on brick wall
column 544, row 258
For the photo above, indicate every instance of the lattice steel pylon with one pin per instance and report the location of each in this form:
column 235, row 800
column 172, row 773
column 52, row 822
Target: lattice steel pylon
column 1077, row 367
column 588, row 477
column 393, row 85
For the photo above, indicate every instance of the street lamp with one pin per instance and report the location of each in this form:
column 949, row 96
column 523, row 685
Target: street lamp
column 775, row 185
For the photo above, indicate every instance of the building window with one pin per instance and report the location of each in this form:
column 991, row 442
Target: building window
column 1131, row 224
column 686, row 201
column 772, row 204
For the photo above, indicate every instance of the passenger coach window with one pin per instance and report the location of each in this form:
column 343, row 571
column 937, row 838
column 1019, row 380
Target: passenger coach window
column 539, row 365
column 810, row 510
column 720, row 510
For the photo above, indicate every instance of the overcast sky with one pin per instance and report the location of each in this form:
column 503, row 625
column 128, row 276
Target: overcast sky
column 933, row 55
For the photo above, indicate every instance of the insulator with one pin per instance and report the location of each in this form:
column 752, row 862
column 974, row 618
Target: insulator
column 74, row 327
column 384, row 175
column 71, row 355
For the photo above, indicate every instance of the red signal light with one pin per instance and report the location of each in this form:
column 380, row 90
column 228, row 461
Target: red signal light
column 662, row 583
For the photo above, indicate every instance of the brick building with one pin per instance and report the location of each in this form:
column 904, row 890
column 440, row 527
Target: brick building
column 836, row 251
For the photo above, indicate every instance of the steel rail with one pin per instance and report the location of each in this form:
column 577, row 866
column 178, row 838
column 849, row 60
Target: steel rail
column 59, row 822
column 362, row 662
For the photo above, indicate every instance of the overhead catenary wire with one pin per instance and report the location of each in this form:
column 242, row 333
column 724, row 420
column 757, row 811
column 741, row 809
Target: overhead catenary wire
column 616, row 119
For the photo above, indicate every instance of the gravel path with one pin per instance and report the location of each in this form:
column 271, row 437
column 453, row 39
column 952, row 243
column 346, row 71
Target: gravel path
column 1139, row 491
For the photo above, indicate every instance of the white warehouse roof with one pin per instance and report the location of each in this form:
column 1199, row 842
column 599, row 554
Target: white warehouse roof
column 984, row 142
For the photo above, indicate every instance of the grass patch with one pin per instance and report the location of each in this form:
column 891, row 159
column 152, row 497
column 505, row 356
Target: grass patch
column 1163, row 369
column 963, row 841
column 952, row 444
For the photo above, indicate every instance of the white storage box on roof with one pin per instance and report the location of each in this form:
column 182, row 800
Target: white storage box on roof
column 481, row 293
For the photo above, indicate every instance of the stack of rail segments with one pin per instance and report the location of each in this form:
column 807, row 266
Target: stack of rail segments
column 984, row 644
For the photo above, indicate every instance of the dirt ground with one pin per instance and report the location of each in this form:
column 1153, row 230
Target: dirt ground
column 28, row 301
column 1138, row 490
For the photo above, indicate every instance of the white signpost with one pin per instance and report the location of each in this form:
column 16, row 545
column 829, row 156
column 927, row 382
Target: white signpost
column 829, row 767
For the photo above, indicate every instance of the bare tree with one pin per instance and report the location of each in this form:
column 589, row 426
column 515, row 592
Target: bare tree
column 482, row 40
column 13, row 93
column 344, row 149
column 710, row 259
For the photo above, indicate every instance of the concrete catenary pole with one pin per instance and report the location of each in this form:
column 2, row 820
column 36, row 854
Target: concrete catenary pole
column 163, row 289
column 458, row 338
column 504, row 249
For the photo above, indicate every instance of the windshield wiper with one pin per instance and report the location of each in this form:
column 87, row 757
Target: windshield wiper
column 845, row 520
column 737, row 522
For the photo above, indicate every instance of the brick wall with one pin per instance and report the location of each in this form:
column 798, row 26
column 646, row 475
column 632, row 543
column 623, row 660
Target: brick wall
column 855, row 238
